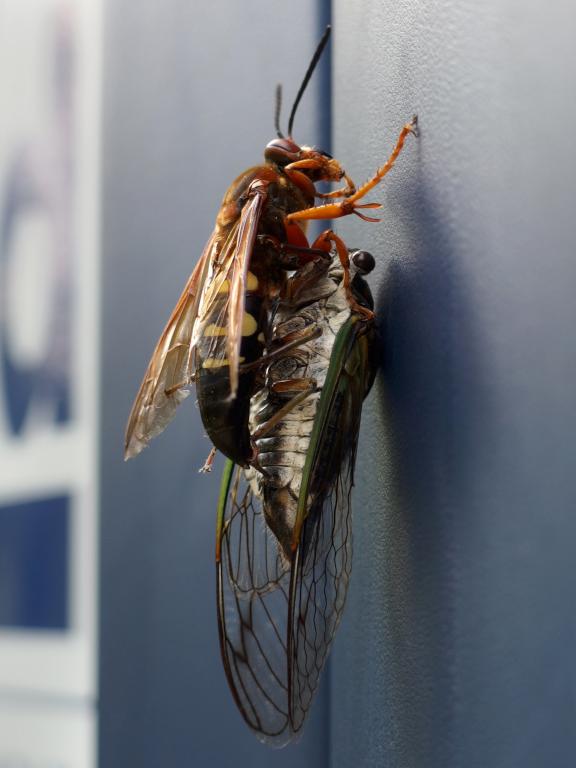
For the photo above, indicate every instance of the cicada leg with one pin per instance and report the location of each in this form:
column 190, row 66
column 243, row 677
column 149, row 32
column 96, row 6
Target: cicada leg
column 302, row 389
column 305, row 277
column 287, row 342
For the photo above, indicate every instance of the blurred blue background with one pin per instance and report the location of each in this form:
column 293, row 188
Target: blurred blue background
column 121, row 126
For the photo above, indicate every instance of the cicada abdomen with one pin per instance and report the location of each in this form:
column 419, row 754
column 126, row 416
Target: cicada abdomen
column 284, row 541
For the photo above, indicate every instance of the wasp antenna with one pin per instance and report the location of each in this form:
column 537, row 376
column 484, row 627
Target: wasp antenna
column 277, row 110
column 308, row 75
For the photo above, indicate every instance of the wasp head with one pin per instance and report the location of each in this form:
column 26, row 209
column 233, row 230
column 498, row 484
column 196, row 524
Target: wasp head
column 317, row 165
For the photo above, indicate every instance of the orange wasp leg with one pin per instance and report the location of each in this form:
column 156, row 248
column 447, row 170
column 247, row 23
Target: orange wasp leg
column 348, row 206
column 346, row 191
column 207, row 466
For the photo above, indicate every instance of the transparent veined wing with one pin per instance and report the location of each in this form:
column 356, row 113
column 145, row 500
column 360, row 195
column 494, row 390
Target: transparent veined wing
column 278, row 611
column 222, row 301
column 166, row 383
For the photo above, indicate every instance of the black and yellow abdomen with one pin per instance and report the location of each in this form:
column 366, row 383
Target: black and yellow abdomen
column 226, row 419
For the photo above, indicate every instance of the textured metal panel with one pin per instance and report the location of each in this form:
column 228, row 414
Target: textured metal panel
column 189, row 99
column 457, row 648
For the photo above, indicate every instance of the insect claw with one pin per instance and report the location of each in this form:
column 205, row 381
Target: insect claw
column 366, row 218
column 414, row 126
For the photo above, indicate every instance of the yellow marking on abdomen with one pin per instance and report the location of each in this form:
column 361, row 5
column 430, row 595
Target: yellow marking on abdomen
column 251, row 281
column 225, row 287
column 215, row 330
column 214, row 362
column 249, row 324
column 249, row 327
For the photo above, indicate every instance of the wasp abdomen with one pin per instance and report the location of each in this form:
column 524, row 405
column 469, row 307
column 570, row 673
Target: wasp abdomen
column 225, row 418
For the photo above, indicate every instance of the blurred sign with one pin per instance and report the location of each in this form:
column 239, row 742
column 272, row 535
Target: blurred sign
column 40, row 737
column 49, row 102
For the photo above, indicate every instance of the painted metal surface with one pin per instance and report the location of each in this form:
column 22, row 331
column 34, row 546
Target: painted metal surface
column 457, row 647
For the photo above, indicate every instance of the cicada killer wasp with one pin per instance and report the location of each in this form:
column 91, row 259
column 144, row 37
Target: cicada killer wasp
column 284, row 537
column 217, row 333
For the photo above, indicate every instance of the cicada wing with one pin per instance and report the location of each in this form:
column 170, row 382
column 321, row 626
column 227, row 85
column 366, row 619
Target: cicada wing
column 253, row 582
column 319, row 584
column 322, row 562
column 167, row 378
column 278, row 615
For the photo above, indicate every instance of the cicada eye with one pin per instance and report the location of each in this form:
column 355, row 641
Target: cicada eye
column 363, row 261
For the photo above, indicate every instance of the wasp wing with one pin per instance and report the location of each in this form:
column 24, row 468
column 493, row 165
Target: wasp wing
column 229, row 281
column 278, row 615
column 169, row 373
column 224, row 262
column 246, row 238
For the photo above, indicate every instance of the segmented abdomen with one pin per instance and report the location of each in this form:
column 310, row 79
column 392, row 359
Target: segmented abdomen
column 226, row 419
column 282, row 452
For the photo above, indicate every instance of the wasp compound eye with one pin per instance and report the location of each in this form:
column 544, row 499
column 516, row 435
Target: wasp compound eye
column 284, row 145
column 363, row 261
column 281, row 151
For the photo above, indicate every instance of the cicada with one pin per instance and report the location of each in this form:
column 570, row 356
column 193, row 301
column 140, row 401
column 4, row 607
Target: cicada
column 217, row 333
column 284, row 537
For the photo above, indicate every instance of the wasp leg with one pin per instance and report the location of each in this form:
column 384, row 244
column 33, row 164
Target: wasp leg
column 207, row 466
column 303, row 387
column 346, row 191
column 349, row 205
